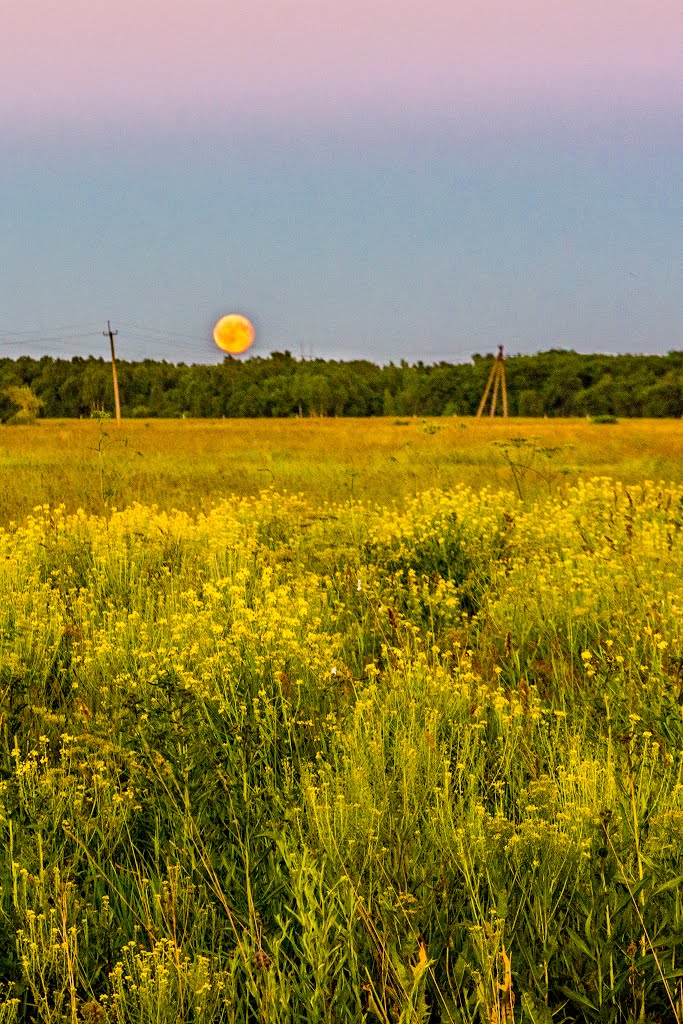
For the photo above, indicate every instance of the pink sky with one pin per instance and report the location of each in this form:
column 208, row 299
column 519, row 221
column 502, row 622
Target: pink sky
column 165, row 59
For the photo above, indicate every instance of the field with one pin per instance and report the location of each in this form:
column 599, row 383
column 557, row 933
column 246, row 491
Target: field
column 190, row 464
column 330, row 721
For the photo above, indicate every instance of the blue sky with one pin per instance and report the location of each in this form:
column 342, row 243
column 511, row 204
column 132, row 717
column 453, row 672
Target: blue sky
column 387, row 227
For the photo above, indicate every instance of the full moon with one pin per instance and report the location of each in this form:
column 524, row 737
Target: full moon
column 233, row 333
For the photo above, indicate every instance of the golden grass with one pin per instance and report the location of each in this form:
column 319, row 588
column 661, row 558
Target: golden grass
column 194, row 463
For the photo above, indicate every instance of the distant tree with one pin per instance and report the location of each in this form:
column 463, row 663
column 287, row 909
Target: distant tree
column 529, row 403
column 665, row 397
column 24, row 404
column 388, row 403
column 553, row 383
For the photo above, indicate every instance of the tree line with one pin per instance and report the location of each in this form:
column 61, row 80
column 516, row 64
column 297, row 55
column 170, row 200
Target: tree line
column 552, row 383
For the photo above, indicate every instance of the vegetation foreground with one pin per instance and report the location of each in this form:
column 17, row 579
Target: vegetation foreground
column 293, row 761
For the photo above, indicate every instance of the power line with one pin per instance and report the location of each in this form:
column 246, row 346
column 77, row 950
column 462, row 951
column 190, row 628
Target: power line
column 173, row 343
column 159, row 332
column 61, row 329
column 31, row 338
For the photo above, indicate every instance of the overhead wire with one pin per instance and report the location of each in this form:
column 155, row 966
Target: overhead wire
column 174, row 342
column 54, row 329
column 50, row 337
column 151, row 328
column 67, row 333
column 159, row 332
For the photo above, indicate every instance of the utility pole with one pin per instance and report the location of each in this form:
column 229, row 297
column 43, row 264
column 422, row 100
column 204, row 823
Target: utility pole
column 497, row 378
column 117, row 401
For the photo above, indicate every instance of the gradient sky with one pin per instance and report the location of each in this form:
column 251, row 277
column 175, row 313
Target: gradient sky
column 392, row 180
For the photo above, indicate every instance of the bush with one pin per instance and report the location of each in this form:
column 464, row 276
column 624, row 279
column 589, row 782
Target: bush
column 27, row 405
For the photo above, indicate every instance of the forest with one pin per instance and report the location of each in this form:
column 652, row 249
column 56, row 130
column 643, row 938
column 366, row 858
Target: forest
column 555, row 383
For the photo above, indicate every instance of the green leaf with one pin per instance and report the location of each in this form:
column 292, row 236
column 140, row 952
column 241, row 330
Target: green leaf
column 583, row 946
column 537, row 1014
column 673, row 883
column 577, row 997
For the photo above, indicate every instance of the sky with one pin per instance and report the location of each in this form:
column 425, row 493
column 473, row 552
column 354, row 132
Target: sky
column 380, row 179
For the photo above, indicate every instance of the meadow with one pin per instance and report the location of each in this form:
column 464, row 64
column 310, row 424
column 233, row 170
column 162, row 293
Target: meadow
column 191, row 464
column 340, row 721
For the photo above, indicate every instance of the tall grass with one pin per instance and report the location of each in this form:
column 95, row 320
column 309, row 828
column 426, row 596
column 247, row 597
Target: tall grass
column 193, row 464
column 290, row 760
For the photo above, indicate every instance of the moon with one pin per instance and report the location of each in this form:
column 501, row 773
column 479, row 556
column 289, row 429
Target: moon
column 234, row 333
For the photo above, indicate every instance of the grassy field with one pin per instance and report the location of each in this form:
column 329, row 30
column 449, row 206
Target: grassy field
column 189, row 464
column 402, row 745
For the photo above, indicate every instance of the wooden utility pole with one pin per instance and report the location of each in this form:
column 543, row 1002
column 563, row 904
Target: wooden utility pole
column 117, row 401
column 497, row 379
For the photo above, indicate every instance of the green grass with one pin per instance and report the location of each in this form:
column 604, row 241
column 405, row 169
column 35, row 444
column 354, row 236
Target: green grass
column 294, row 758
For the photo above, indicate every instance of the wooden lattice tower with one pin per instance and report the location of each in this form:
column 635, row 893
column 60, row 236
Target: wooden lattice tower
column 497, row 379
